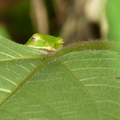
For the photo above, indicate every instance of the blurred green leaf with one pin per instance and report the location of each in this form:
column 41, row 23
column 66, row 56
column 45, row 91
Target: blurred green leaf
column 74, row 83
column 4, row 32
column 112, row 9
column 17, row 20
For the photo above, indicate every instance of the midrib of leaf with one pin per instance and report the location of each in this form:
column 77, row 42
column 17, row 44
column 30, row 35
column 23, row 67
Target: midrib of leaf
column 42, row 65
column 11, row 52
column 81, row 84
column 25, row 79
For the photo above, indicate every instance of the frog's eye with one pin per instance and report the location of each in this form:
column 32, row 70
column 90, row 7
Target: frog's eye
column 45, row 42
column 34, row 38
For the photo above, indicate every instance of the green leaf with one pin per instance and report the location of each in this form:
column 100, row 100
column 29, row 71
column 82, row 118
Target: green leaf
column 71, row 84
column 112, row 11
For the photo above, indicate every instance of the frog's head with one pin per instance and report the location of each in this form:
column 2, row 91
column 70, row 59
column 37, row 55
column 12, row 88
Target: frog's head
column 45, row 42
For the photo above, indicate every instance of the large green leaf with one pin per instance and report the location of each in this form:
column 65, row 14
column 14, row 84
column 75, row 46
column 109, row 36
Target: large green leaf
column 71, row 84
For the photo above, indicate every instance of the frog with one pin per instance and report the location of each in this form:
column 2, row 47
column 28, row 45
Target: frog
column 45, row 42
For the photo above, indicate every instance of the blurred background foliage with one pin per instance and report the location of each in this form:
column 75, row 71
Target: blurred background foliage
column 73, row 20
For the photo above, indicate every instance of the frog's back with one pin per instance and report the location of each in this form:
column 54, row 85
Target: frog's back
column 49, row 38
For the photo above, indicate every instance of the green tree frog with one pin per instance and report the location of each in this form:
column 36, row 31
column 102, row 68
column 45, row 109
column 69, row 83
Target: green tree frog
column 45, row 42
